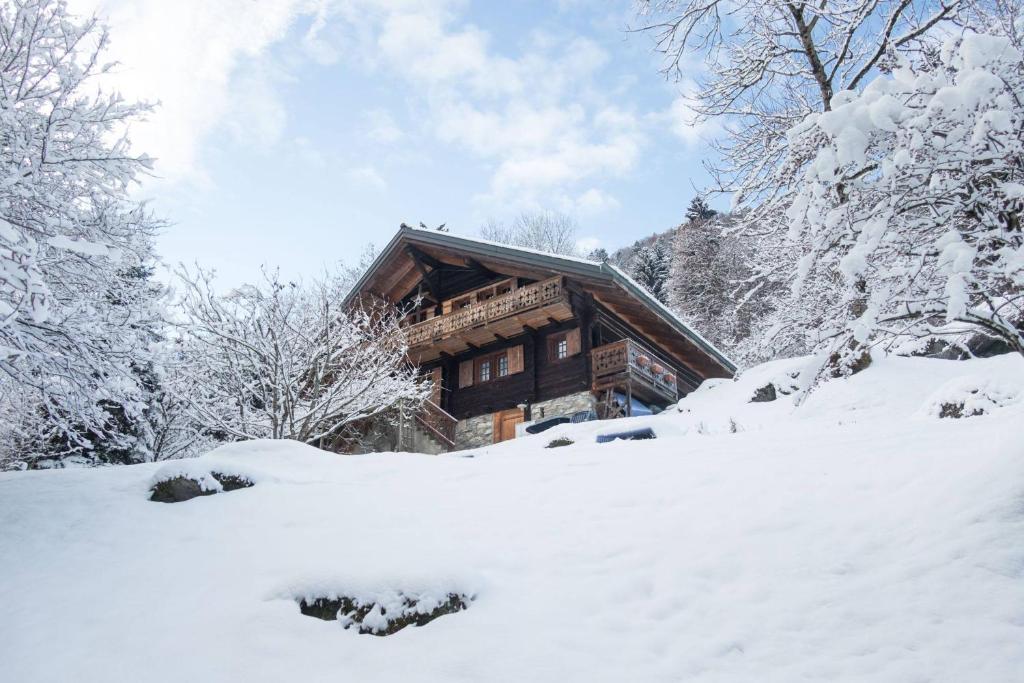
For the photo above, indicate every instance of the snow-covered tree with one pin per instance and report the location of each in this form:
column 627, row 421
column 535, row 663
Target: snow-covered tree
column 283, row 360
column 73, row 321
column 600, row 255
column 769, row 63
column 548, row 231
column 910, row 214
column 650, row 268
column 699, row 210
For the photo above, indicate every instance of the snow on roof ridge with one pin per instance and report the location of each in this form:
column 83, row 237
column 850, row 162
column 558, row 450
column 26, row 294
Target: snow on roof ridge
column 492, row 243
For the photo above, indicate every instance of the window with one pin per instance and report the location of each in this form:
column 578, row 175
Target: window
column 563, row 345
column 492, row 367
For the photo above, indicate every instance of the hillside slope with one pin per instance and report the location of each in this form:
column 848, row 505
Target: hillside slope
column 857, row 538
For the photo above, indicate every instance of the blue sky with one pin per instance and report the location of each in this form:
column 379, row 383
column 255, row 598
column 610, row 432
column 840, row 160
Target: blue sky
column 292, row 133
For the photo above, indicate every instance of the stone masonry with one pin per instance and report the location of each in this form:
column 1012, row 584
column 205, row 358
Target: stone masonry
column 478, row 431
column 473, row 432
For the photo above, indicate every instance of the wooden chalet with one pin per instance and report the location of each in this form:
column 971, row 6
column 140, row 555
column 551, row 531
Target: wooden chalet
column 510, row 336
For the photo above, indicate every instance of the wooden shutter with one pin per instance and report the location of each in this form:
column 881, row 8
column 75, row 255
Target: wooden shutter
column 515, row 359
column 446, row 307
column 435, row 388
column 466, row 373
column 572, row 338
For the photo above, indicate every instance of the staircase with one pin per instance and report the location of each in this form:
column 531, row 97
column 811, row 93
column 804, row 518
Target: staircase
column 432, row 426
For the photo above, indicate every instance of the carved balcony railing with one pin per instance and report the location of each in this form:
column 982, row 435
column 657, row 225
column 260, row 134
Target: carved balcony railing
column 631, row 360
column 520, row 300
column 437, row 422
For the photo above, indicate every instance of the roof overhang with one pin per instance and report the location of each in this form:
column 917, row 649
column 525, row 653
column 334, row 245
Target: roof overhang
column 394, row 273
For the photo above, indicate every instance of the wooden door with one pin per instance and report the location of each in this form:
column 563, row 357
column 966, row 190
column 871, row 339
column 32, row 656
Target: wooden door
column 505, row 422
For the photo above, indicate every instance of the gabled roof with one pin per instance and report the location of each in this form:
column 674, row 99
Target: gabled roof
column 393, row 273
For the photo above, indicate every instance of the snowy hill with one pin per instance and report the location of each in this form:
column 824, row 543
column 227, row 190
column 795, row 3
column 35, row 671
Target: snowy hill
column 860, row 537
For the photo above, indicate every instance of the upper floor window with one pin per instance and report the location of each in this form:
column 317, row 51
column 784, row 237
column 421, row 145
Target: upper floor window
column 564, row 344
column 492, row 366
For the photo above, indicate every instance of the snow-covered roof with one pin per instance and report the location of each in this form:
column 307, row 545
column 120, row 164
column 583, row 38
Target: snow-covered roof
column 556, row 262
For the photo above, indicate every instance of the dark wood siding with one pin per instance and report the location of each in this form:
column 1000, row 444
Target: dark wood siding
column 499, row 394
column 558, row 377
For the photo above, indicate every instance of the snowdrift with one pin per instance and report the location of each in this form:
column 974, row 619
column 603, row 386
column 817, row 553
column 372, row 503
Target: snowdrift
column 859, row 537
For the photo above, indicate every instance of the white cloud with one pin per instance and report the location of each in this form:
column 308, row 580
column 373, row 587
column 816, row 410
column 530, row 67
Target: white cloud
column 366, row 177
column 683, row 121
column 538, row 117
column 381, row 127
column 539, row 114
column 585, row 245
column 595, row 202
column 188, row 55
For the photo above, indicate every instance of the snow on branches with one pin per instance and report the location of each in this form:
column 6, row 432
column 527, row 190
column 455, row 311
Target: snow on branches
column 74, row 314
column 285, row 361
column 911, row 207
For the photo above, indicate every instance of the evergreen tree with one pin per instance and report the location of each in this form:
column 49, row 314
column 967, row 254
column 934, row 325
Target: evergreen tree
column 699, row 210
column 651, row 269
column 600, row 255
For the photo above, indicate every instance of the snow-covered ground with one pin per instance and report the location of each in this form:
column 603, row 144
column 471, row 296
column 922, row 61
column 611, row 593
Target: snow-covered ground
column 857, row 538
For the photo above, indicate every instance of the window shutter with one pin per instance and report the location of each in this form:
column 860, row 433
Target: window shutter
column 466, row 373
column 446, row 307
column 573, row 339
column 435, row 386
column 515, row 359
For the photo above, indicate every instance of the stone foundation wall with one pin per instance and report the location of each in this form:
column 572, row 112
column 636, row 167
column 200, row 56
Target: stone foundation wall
column 563, row 405
column 474, row 432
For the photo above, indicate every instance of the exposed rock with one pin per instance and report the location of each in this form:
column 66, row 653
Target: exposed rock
column 179, row 489
column 764, row 394
column 851, row 366
column 559, row 442
column 956, row 410
column 377, row 619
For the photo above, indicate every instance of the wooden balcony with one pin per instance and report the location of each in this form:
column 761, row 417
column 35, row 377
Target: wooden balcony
column 627, row 366
column 482, row 322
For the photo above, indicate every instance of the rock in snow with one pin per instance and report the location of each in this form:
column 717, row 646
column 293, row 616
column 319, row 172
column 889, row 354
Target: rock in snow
column 857, row 537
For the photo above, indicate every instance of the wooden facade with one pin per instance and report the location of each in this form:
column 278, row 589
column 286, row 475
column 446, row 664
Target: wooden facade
column 498, row 329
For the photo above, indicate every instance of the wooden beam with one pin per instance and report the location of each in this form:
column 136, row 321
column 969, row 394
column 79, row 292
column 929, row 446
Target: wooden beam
column 423, row 256
column 418, row 258
column 480, row 268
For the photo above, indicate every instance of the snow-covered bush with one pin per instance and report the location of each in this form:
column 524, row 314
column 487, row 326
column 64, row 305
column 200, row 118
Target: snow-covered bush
column 283, row 360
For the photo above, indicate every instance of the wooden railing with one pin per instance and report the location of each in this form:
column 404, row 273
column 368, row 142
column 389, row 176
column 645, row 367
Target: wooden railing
column 626, row 356
column 519, row 300
column 437, row 422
